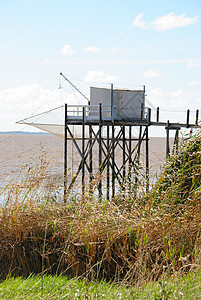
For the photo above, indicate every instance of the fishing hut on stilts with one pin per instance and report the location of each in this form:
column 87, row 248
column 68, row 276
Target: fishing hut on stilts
column 108, row 134
column 109, row 122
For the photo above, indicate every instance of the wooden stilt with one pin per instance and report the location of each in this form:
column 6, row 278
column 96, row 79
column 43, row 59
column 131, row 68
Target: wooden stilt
column 157, row 115
column 167, row 139
column 83, row 149
column 187, row 118
column 65, row 155
column 108, row 165
column 124, row 155
column 138, row 153
column 129, row 157
column 196, row 117
column 147, row 160
column 90, row 160
column 176, row 142
column 90, row 152
column 100, row 151
column 113, row 160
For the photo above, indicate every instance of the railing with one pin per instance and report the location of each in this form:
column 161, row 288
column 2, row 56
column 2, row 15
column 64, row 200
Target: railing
column 106, row 112
column 144, row 114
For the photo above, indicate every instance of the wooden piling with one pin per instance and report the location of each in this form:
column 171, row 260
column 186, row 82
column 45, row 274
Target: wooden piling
column 100, row 150
column 83, row 149
column 197, row 116
column 147, row 159
column 157, row 115
column 168, row 139
column 108, row 163
column 187, row 118
column 113, row 162
column 65, row 154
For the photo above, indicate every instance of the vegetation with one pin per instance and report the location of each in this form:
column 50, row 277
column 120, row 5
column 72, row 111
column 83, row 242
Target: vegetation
column 159, row 235
column 181, row 179
column 60, row 287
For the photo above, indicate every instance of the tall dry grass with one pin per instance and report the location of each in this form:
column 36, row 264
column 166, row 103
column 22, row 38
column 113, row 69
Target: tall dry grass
column 158, row 234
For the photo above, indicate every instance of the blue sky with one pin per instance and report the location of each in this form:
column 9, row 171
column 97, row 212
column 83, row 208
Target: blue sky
column 128, row 43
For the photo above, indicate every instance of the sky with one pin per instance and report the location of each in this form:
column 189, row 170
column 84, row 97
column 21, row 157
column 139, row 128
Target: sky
column 95, row 43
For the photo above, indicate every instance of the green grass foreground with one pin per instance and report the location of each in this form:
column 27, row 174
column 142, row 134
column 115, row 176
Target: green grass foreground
column 50, row 287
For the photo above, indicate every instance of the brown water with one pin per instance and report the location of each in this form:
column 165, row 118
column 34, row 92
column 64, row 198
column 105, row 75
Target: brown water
column 16, row 151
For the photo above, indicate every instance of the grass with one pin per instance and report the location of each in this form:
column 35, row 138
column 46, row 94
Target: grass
column 61, row 287
column 140, row 241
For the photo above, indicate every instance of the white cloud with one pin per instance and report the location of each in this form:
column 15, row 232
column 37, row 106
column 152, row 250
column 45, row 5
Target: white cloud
column 194, row 83
column 92, row 49
column 20, row 102
column 183, row 99
column 138, row 22
column 177, row 93
column 67, row 50
column 169, row 21
column 198, row 100
column 155, row 97
column 193, row 64
column 99, row 76
column 151, row 74
column 47, row 61
column 180, row 104
column 23, row 96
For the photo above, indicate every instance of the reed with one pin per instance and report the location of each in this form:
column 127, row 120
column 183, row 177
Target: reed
column 136, row 240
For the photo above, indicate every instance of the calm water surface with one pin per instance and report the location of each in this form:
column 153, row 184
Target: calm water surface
column 18, row 151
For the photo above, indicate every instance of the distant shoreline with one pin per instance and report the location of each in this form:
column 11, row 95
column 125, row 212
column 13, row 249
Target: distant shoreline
column 24, row 132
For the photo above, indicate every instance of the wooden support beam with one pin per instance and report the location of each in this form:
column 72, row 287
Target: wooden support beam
column 129, row 157
column 149, row 115
column 90, row 161
column 135, row 148
column 138, row 151
column 65, row 155
column 90, row 153
column 113, row 161
column 83, row 150
column 124, row 152
column 77, row 147
column 100, row 150
column 147, row 160
column 108, row 163
column 157, row 115
column 176, row 142
column 187, row 118
column 168, row 139
column 80, row 165
column 196, row 117
column 108, row 155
